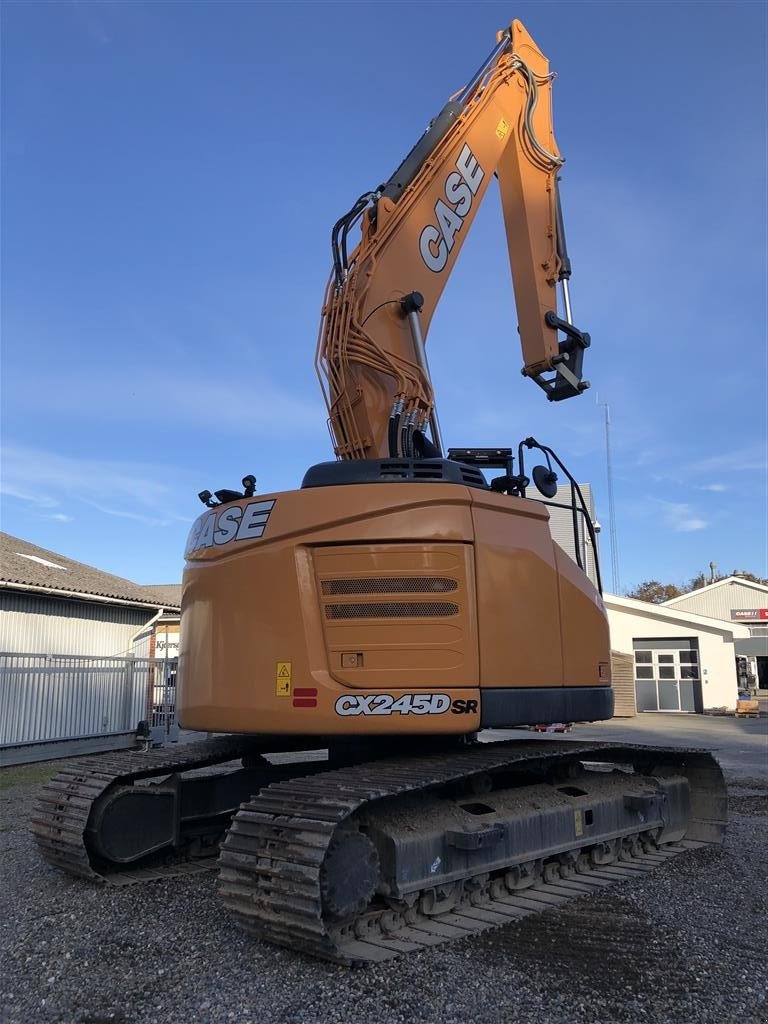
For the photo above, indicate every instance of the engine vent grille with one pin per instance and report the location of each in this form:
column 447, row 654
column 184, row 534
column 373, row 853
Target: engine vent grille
column 412, row 470
column 391, row 610
column 473, row 477
column 390, row 585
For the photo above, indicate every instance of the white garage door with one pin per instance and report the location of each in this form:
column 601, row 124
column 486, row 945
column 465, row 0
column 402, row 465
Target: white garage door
column 667, row 674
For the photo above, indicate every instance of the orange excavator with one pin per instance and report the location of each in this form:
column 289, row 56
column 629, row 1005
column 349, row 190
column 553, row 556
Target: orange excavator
column 400, row 601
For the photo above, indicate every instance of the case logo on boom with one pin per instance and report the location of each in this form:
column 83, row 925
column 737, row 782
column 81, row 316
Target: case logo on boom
column 235, row 522
column 461, row 185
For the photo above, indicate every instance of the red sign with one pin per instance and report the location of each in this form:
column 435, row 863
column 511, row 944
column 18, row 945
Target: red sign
column 749, row 613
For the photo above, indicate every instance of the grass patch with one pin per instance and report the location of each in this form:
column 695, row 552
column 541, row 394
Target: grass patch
column 27, row 774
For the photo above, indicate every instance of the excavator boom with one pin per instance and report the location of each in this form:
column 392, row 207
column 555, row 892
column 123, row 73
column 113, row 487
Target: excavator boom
column 381, row 298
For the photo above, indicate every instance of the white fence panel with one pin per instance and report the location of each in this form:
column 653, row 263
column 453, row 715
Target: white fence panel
column 56, row 697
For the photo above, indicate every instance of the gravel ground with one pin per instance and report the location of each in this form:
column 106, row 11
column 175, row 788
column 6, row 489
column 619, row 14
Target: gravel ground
column 685, row 945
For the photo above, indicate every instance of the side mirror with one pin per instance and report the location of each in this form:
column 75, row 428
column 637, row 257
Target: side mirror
column 545, row 480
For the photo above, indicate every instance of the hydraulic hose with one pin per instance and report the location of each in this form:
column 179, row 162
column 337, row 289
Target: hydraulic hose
column 392, row 434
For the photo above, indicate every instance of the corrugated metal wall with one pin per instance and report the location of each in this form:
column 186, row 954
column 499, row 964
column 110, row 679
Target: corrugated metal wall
column 561, row 525
column 718, row 602
column 623, row 680
column 46, row 625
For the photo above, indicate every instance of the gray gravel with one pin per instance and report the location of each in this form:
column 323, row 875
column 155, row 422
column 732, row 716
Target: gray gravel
column 686, row 944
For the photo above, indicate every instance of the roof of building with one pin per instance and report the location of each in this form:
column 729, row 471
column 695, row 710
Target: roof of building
column 25, row 566
column 170, row 592
column 726, row 581
column 661, row 611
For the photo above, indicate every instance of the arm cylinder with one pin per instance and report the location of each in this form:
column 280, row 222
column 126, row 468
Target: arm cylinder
column 411, row 306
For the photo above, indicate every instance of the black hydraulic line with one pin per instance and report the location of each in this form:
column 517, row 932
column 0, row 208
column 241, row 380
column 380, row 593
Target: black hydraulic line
column 344, row 233
column 337, row 268
column 575, row 522
column 521, row 469
column 375, row 309
column 423, row 448
column 406, row 442
column 357, row 209
column 393, row 434
column 343, row 224
column 562, row 248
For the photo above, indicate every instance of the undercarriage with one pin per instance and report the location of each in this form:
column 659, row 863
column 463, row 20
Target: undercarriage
column 364, row 862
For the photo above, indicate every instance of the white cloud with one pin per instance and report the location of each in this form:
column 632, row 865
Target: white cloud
column 48, row 480
column 249, row 401
column 685, row 525
column 677, row 466
column 10, row 489
column 680, row 517
column 124, row 514
column 749, row 459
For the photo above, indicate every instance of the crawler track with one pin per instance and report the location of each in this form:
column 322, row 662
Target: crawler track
column 61, row 815
column 273, row 856
column 271, row 859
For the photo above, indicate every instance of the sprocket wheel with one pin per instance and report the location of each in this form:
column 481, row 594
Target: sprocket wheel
column 349, row 874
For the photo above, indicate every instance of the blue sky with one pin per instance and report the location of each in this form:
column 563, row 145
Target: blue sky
column 171, row 172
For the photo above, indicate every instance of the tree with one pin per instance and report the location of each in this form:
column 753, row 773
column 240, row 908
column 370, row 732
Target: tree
column 696, row 583
column 655, row 592
column 750, row 576
column 658, row 593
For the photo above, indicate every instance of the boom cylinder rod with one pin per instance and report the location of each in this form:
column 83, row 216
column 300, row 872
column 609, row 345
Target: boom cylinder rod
column 567, row 301
column 501, row 47
column 411, row 305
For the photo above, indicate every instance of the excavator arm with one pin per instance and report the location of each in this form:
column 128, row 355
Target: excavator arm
column 381, row 296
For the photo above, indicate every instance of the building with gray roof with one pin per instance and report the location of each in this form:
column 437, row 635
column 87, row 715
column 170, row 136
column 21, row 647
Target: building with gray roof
column 52, row 604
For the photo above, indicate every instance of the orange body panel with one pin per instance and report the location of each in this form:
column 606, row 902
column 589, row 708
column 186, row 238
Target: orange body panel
column 518, row 600
column 422, row 594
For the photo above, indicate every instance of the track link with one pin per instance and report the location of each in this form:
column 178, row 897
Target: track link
column 271, row 859
column 61, row 814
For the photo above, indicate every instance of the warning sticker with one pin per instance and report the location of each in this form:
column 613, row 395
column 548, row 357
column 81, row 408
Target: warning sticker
column 283, row 679
column 578, row 823
column 502, row 128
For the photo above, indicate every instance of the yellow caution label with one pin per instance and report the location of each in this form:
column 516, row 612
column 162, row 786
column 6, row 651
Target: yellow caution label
column 502, row 128
column 283, row 679
column 578, row 823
